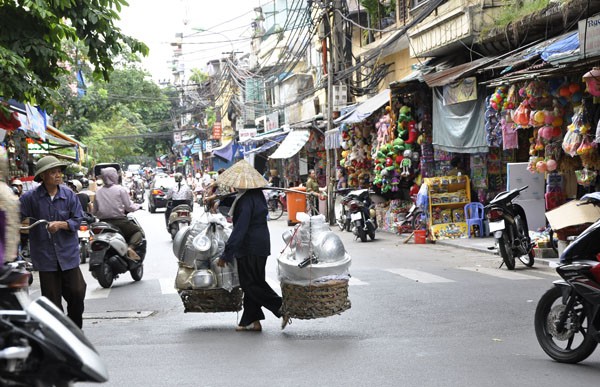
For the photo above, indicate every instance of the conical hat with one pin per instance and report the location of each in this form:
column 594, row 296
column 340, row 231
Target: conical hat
column 242, row 175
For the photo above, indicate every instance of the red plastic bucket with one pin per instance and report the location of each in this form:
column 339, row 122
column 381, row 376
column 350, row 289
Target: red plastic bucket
column 420, row 237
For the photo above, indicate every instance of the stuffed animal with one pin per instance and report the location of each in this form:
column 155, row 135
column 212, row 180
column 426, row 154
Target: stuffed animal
column 406, row 163
column 383, row 126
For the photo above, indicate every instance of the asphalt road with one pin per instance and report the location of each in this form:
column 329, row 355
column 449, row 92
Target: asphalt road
column 422, row 315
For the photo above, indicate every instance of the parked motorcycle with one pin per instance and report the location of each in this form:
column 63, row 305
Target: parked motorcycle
column 109, row 257
column 362, row 214
column 39, row 345
column 343, row 216
column 415, row 219
column 567, row 318
column 508, row 224
column 180, row 217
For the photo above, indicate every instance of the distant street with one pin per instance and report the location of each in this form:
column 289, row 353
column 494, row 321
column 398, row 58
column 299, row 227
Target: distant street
column 422, row 315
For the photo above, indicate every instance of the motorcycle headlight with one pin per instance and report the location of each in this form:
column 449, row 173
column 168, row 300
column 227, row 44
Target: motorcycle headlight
column 201, row 242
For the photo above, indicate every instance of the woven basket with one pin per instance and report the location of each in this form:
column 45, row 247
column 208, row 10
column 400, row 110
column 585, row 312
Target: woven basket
column 315, row 301
column 212, row 300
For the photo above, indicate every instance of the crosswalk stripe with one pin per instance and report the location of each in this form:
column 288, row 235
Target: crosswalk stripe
column 167, row 286
column 97, row 292
column 419, row 276
column 356, row 282
column 500, row 273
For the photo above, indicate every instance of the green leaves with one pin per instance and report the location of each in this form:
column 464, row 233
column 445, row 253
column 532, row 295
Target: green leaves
column 32, row 49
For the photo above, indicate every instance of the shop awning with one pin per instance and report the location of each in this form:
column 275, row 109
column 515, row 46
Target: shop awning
column 270, row 143
column 225, row 151
column 365, row 109
column 292, row 144
column 266, row 135
column 444, row 77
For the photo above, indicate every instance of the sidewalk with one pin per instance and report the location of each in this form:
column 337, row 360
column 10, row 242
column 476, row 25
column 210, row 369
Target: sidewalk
column 487, row 245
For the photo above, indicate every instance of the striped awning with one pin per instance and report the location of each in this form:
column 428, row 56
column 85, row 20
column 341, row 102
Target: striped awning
column 292, row 144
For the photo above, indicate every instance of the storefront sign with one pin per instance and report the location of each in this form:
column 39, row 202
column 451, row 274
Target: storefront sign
column 589, row 36
column 246, row 134
column 217, row 131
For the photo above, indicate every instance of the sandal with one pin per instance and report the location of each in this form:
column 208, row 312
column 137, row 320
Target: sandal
column 254, row 327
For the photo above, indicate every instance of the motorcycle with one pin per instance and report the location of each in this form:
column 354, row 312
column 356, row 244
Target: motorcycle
column 85, row 236
column 109, row 257
column 508, row 224
column 39, row 345
column 137, row 191
column 180, row 217
column 362, row 214
column 567, row 317
column 415, row 219
column 343, row 218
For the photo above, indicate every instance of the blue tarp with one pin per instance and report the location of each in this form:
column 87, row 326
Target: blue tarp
column 569, row 43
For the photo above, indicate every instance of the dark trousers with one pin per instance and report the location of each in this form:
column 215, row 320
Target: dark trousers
column 257, row 292
column 68, row 284
column 129, row 229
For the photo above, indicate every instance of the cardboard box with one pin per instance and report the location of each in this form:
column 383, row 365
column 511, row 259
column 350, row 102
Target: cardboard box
column 570, row 214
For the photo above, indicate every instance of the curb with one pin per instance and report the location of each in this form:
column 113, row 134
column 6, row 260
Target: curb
column 550, row 262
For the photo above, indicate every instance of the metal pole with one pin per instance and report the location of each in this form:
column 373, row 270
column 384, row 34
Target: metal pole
column 330, row 203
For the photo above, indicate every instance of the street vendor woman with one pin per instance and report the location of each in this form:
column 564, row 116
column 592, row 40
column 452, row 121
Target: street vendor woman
column 250, row 244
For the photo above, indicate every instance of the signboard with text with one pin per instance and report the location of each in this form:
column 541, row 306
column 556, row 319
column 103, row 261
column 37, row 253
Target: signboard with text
column 589, row 36
column 217, row 131
column 245, row 134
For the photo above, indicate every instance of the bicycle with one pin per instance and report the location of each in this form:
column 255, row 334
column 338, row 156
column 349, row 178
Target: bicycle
column 275, row 204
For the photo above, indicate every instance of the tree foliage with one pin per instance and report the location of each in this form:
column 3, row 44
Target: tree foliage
column 32, row 52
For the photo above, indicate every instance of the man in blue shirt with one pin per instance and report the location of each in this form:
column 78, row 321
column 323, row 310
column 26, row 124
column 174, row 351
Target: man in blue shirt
column 55, row 248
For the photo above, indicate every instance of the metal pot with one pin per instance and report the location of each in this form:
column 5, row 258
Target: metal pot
column 203, row 279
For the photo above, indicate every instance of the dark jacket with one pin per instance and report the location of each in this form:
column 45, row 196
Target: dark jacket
column 250, row 235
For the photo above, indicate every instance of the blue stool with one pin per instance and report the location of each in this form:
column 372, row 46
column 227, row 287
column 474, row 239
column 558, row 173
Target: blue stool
column 474, row 216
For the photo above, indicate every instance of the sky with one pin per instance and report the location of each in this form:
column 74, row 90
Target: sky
column 155, row 22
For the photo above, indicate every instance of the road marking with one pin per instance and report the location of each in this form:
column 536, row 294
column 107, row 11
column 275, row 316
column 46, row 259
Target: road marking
column 356, row 282
column 419, row 276
column 501, row 273
column 167, row 286
column 274, row 284
column 96, row 293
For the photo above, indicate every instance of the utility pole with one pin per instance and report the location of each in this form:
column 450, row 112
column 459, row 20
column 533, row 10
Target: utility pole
column 329, row 178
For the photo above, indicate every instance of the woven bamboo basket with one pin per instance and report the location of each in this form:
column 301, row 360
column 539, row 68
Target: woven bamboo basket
column 315, row 301
column 212, row 300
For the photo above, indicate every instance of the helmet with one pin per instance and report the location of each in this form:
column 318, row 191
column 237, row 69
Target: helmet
column 85, row 183
column 16, row 182
column 178, row 177
column 76, row 184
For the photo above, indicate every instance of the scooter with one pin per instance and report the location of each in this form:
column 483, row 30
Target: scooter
column 39, row 345
column 508, row 224
column 180, row 217
column 567, row 317
column 109, row 257
column 362, row 215
column 85, row 236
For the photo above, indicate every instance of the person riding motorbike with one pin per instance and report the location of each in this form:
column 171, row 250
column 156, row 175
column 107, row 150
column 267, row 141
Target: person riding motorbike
column 111, row 205
column 181, row 193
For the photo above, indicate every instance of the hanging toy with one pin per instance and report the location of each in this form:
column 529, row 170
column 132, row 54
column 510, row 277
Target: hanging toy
column 412, row 132
column 406, row 163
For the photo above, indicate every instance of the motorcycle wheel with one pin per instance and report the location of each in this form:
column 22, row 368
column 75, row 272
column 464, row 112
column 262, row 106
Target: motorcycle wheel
column 275, row 209
column 419, row 222
column 360, row 231
column 371, row 231
column 83, row 252
column 506, row 251
column 104, row 275
column 137, row 273
column 529, row 259
column 173, row 232
column 572, row 344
